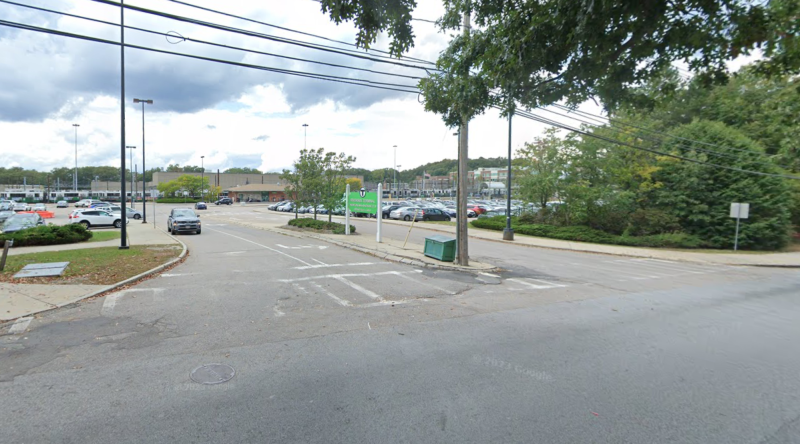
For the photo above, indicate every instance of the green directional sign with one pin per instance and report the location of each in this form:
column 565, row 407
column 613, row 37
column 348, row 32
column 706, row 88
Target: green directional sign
column 363, row 202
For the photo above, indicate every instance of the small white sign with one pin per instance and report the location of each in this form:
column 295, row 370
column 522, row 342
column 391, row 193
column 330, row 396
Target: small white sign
column 740, row 210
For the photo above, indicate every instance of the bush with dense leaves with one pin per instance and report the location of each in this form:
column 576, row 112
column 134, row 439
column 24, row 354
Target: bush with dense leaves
column 48, row 235
column 644, row 222
column 321, row 225
column 587, row 234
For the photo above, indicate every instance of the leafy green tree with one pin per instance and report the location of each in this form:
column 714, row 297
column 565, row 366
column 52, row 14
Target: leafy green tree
column 306, row 181
column 333, row 179
column 194, row 185
column 541, row 168
column 245, row 170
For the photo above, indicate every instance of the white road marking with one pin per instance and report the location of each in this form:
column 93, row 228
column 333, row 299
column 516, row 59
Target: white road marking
column 20, row 326
column 356, row 264
column 490, row 275
column 445, row 291
column 538, row 287
column 111, row 300
column 169, row 275
column 668, row 267
column 382, row 303
column 369, row 326
column 332, row 296
column 318, row 261
column 231, row 253
column 613, row 271
column 300, row 288
column 357, row 287
column 301, row 247
column 346, row 275
column 264, row 246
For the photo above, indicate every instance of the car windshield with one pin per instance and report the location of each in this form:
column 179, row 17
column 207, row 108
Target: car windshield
column 183, row 213
column 19, row 220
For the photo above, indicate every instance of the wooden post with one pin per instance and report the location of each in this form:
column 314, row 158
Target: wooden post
column 6, row 245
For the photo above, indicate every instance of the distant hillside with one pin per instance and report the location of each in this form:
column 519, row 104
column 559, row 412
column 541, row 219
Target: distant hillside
column 444, row 167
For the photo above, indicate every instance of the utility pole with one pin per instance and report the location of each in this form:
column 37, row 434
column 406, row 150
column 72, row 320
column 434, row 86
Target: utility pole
column 394, row 171
column 130, row 147
column 305, row 136
column 508, row 233
column 144, row 169
column 462, row 241
column 75, row 182
column 123, row 245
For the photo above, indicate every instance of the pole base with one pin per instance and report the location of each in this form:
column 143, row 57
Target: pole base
column 508, row 234
column 144, row 221
column 124, row 247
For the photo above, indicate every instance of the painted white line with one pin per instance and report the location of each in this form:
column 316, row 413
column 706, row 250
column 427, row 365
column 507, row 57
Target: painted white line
column 265, row 247
column 332, row 296
column 528, row 284
column 301, row 247
column 300, row 288
column 369, row 326
column 346, row 275
column 318, row 261
column 357, row 287
column 110, row 302
column 613, row 271
column 20, row 326
column 382, row 303
column 669, row 266
column 357, row 264
column 231, row 253
column 445, row 291
column 546, row 282
column 170, row 275
column 490, row 274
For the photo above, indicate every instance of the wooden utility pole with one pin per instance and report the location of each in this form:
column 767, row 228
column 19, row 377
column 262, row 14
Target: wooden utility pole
column 462, row 240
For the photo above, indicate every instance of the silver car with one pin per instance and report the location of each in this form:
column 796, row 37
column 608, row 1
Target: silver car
column 404, row 213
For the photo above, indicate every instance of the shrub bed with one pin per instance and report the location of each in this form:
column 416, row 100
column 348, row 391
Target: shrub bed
column 48, row 235
column 181, row 200
column 320, row 225
column 587, row 234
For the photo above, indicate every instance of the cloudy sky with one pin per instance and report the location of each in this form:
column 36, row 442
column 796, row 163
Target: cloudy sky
column 233, row 116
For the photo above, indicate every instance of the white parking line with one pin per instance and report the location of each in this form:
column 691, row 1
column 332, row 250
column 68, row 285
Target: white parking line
column 357, row 287
column 663, row 267
column 20, row 326
column 538, row 287
column 111, row 300
column 346, row 275
column 357, row 264
column 613, row 271
column 265, row 247
column 332, row 296
column 397, row 273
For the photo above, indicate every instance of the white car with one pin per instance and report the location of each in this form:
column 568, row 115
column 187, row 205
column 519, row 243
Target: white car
column 129, row 212
column 21, row 206
column 62, row 204
column 96, row 218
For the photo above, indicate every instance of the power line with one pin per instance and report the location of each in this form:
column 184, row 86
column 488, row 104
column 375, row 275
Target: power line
column 341, row 51
column 556, row 124
column 656, row 140
column 214, row 44
column 338, row 79
column 293, row 30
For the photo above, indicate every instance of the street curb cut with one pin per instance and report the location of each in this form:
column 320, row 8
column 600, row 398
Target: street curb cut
column 121, row 283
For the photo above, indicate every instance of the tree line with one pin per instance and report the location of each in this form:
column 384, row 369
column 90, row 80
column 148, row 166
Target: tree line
column 318, row 178
column 748, row 128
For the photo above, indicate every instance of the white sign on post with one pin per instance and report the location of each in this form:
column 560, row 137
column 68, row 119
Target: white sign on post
column 740, row 210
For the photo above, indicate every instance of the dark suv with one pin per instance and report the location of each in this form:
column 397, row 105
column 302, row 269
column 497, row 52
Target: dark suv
column 224, row 201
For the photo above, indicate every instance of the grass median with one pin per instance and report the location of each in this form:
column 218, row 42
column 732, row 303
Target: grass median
column 100, row 236
column 96, row 266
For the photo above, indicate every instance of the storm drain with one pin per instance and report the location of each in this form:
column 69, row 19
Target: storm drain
column 213, row 374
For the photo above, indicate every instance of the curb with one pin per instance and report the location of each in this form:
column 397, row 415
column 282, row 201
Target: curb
column 130, row 280
column 572, row 247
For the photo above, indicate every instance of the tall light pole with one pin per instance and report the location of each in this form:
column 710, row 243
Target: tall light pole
column 394, row 172
column 202, row 176
column 508, row 232
column 75, row 179
column 130, row 147
column 144, row 193
column 123, row 241
column 305, row 135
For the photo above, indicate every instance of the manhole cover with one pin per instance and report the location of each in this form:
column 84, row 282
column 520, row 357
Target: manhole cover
column 213, row 373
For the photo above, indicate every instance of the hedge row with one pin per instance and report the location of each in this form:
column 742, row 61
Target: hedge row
column 179, row 200
column 322, row 225
column 48, row 235
column 586, row 234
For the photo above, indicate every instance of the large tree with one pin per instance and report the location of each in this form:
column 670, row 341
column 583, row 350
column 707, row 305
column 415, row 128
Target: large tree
column 538, row 52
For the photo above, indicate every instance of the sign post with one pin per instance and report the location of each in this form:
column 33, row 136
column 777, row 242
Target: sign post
column 347, row 210
column 379, row 214
column 739, row 211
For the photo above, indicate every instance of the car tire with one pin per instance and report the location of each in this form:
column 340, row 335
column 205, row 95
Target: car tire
column 406, row 218
column 169, row 229
column 137, row 216
column 198, row 231
column 426, row 219
column 447, row 219
column 385, row 216
column 118, row 223
column 86, row 224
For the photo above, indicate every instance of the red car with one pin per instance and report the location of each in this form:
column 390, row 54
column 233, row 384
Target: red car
column 478, row 209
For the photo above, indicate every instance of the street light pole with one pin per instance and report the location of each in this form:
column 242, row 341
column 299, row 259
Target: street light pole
column 394, row 171
column 508, row 233
column 202, row 176
column 75, row 179
column 130, row 147
column 144, row 169
column 123, row 242
column 305, row 136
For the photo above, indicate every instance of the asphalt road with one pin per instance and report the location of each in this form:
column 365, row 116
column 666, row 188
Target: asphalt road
column 330, row 345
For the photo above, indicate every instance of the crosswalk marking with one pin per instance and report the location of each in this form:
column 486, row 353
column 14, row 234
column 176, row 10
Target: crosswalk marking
column 535, row 286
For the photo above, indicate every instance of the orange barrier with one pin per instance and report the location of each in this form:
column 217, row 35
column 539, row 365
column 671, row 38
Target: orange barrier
column 44, row 214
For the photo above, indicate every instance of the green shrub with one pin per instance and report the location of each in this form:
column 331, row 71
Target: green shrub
column 48, row 235
column 587, row 234
column 321, row 225
column 180, row 200
column 649, row 221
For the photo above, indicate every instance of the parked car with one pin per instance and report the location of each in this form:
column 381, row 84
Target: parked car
column 404, row 213
column 224, row 201
column 183, row 219
column 287, row 207
column 388, row 209
column 274, row 206
column 6, row 205
column 62, row 204
column 116, row 209
column 492, row 213
column 5, row 214
column 87, row 203
column 39, row 207
column 21, row 206
column 99, row 203
column 96, row 218
column 200, row 206
column 19, row 222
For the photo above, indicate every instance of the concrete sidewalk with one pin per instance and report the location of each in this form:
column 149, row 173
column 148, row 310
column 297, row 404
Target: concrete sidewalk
column 18, row 300
column 756, row 259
